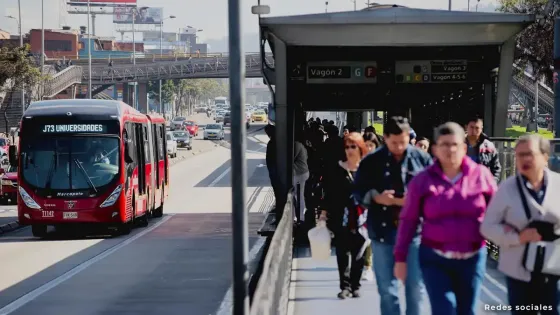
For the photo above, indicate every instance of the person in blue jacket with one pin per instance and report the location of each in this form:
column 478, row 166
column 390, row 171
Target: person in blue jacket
column 380, row 184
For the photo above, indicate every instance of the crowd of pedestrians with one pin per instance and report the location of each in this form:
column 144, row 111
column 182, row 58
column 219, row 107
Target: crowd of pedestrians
column 419, row 209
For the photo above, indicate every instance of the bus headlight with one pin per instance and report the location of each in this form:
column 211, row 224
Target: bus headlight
column 27, row 199
column 112, row 198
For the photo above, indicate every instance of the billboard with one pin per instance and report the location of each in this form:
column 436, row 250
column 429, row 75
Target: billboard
column 142, row 15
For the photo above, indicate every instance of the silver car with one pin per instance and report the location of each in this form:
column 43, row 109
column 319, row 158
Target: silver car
column 177, row 123
column 183, row 139
column 214, row 131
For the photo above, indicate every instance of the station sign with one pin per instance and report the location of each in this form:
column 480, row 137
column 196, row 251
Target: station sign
column 431, row 71
column 341, row 72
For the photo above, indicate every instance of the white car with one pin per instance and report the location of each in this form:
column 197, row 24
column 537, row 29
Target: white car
column 171, row 145
column 214, row 131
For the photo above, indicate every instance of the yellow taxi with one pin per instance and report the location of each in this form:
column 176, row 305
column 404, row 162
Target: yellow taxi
column 259, row 116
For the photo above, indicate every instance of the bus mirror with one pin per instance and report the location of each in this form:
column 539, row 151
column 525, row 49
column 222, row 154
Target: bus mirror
column 12, row 155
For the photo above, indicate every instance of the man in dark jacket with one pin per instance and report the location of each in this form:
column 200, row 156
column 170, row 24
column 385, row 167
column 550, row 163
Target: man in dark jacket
column 380, row 184
column 480, row 149
column 270, row 131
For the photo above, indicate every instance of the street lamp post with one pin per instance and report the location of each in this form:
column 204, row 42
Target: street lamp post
column 18, row 20
column 43, row 35
column 161, row 55
column 90, row 92
column 134, row 55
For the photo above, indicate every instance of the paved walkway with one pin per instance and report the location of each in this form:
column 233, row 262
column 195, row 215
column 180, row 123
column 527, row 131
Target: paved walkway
column 314, row 289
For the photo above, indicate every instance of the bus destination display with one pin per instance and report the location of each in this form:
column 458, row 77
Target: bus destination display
column 74, row 128
column 342, row 72
column 431, row 71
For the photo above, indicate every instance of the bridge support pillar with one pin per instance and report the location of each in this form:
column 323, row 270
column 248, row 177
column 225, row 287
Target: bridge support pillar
column 126, row 94
column 502, row 97
column 143, row 97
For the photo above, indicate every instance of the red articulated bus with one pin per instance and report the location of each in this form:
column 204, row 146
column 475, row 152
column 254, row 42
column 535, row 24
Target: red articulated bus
column 90, row 161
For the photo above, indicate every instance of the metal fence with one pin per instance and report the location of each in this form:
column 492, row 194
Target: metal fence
column 271, row 294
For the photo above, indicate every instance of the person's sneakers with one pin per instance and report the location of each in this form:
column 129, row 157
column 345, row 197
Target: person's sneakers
column 344, row 294
column 367, row 274
column 356, row 293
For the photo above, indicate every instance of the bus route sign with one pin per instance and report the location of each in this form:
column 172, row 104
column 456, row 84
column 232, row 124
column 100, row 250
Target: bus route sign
column 342, row 72
column 431, row 71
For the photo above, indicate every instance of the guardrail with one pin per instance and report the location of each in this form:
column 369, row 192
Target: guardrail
column 62, row 80
column 145, row 56
column 194, row 68
column 271, row 294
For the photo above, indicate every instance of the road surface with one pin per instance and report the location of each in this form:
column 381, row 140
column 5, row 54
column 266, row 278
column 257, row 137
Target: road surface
column 179, row 264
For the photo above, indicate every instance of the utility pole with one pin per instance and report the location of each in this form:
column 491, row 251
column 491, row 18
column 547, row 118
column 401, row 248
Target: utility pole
column 133, row 56
column 238, row 163
column 90, row 96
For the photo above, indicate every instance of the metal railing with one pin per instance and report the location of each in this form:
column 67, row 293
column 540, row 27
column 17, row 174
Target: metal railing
column 139, row 56
column 62, row 80
column 527, row 85
column 271, row 294
column 193, row 68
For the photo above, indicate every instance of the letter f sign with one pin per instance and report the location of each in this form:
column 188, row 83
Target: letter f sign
column 371, row 72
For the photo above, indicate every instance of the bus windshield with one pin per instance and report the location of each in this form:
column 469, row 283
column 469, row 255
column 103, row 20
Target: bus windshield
column 70, row 162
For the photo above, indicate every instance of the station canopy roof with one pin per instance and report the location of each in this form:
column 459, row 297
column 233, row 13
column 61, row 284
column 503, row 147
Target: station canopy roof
column 397, row 26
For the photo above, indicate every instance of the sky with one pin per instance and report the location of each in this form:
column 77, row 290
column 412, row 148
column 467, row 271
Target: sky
column 208, row 15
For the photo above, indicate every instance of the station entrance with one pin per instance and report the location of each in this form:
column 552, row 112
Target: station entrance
column 431, row 66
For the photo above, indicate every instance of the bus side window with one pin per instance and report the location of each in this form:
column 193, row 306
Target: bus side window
column 146, row 143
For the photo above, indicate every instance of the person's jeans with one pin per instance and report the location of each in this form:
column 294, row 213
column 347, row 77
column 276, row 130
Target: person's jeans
column 453, row 285
column 299, row 185
column 387, row 284
column 539, row 291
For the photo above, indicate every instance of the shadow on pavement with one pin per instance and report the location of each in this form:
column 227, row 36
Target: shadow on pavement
column 221, row 177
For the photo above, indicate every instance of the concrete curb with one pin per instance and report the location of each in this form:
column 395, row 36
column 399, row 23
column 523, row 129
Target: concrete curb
column 9, row 227
column 12, row 226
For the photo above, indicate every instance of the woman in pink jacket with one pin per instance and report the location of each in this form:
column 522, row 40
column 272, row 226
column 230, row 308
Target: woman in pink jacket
column 451, row 197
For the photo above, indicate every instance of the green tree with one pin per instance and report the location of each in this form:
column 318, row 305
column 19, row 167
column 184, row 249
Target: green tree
column 167, row 90
column 534, row 44
column 17, row 69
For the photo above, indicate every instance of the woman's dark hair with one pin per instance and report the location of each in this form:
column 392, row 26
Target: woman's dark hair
column 396, row 125
column 370, row 136
column 358, row 140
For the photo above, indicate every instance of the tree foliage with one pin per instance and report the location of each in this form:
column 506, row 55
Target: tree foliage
column 167, row 91
column 536, row 43
column 187, row 92
column 17, row 69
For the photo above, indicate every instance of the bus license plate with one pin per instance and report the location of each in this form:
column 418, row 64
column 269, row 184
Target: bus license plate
column 70, row 215
column 47, row 214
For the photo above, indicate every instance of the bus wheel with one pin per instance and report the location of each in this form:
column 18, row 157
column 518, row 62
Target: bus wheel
column 123, row 229
column 158, row 212
column 39, row 230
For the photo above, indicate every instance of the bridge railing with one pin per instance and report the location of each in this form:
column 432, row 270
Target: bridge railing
column 62, row 80
column 272, row 291
column 145, row 56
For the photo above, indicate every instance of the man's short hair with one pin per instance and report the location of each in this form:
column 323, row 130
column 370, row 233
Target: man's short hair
column 396, row 125
column 542, row 143
column 449, row 128
column 474, row 119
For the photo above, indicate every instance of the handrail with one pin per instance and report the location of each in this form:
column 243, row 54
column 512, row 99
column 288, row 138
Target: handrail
column 62, row 80
column 271, row 294
column 206, row 68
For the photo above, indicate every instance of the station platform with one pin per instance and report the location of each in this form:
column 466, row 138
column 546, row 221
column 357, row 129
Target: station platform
column 314, row 289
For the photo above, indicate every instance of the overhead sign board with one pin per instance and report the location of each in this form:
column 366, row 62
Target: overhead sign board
column 431, row 71
column 142, row 15
column 342, row 72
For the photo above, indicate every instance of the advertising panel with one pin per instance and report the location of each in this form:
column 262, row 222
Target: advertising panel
column 142, row 15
